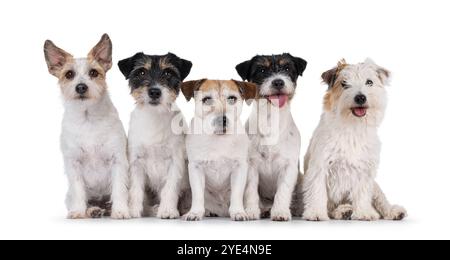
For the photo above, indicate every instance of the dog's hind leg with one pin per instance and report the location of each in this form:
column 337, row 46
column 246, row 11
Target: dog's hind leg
column 386, row 210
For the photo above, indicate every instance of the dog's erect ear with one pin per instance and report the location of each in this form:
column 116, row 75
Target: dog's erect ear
column 55, row 57
column 243, row 69
column 184, row 66
column 190, row 87
column 248, row 90
column 383, row 74
column 126, row 66
column 300, row 64
column 102, row 52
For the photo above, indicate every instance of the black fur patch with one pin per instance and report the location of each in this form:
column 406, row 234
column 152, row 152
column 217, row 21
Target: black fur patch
column 260, row 68
column 146, row 71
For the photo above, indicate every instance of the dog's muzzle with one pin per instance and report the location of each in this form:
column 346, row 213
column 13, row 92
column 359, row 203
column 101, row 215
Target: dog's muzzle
column 220, row 125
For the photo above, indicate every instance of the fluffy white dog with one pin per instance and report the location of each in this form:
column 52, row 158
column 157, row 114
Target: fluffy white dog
column 343, row 157
column 217, row 148
column 93, row 139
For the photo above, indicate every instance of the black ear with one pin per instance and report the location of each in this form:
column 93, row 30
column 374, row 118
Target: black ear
column 184, row 66
column 243, row 69
column 126, row 66
column 300, row 64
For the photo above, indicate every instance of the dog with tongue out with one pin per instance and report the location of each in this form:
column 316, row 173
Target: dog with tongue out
column 275, row 139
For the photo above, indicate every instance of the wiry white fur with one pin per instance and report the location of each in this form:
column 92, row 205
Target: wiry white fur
column 274, row 156
column 157, row 153
column 343, row 157
column 93, row 143
column 218, row 164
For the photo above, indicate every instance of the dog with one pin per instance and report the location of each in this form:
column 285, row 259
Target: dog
column 93, row 139
column 275, row 148
column 343, row 157
column 217, row 147
column 156, row 147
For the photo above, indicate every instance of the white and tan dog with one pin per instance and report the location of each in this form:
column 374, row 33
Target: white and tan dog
column 343, row 157
column 93, row 139
column 217, row 148
column 275, row 139
column 156, row 141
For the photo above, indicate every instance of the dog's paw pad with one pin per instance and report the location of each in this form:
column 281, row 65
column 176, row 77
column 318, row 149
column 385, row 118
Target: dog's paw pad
column 281, row 216
column 168, row 214
column 120, row 214
column 95, row 212
column 253, row 214
column 366, row 216
column 343, row 212
column 397, row 213
column 240, row 216
column 193, row 216
column 77, row 215
column 315, row 217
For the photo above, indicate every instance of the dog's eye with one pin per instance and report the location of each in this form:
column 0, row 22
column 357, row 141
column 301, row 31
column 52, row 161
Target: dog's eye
column 262, row 70
column 93, row 73
column 207, row 100
column 70, row 74
column 168, row 73
column 369, row 83
column 141, row 72
column 345, row 84
column 232, row 100
column 287, row 69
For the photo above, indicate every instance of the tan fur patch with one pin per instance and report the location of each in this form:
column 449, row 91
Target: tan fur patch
column 165, row 64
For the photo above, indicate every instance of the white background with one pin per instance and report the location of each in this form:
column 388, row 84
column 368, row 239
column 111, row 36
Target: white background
column 411, row 38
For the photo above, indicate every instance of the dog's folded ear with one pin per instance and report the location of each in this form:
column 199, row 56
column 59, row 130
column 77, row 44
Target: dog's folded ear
column 190, row 87
column 183, row 66
column 55, row 57
column 126, row 66
column 248, row 90
column 300, row 65
column 329, row 77
column 102, row 52
column 383, row 74
column 243, row 69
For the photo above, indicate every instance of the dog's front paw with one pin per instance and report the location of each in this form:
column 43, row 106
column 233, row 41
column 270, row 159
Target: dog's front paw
column 167, row 213
column 253, row 213
column 343, row 212
column 194, row 216
column 136, row 213
column 120, row 214
column 77, row 215
column 316, row 215
column 280, row 215
column 239, row 216
column 366, row 215
column 95, row 212
column 396, row 213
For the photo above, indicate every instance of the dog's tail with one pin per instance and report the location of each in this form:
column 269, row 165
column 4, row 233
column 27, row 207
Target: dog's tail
column 386, row 210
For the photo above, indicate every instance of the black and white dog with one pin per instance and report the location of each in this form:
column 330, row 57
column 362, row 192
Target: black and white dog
column 275, row 145
column 156, row 145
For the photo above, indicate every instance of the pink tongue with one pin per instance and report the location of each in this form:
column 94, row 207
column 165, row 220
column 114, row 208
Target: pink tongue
column 360, row 111
column 278, row 100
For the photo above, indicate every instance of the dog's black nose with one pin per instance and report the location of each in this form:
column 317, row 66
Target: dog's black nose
column 154, row 93
column 360, row 99
column 224, row 121
column 278, row 84
column 81, row 89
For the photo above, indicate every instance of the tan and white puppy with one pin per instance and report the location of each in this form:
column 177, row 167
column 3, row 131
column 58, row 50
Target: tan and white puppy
column 93, row 139
column 217, row 148
column 275, row 139
column 343, row 157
